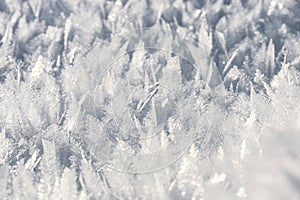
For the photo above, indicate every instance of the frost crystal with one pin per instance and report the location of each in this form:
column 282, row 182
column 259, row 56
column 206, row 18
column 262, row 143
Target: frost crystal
column 136, row 99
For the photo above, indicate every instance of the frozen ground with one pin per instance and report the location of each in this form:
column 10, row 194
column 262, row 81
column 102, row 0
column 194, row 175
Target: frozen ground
column 150, row 99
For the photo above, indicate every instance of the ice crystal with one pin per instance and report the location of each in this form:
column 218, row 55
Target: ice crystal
column 128, row 99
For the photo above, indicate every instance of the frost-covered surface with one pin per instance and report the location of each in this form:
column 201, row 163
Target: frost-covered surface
column 158, row 99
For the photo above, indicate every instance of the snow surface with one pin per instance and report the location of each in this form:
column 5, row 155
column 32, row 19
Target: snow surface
column 157, row 99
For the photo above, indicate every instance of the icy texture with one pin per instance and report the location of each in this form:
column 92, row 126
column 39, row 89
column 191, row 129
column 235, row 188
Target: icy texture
column 159, row 99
